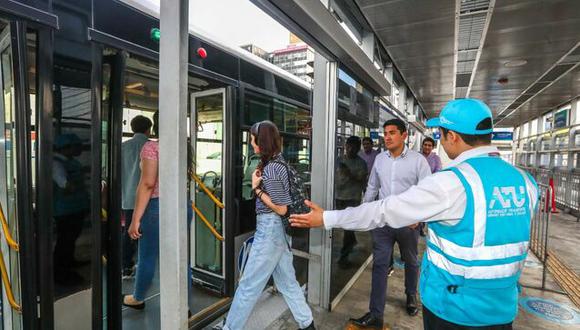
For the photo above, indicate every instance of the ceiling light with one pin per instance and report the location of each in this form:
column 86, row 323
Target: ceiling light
column 515, row 63
column 134, row 85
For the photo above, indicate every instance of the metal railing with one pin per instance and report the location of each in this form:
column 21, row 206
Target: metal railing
column 540, row 226
column 566, row 187
column 565, row 276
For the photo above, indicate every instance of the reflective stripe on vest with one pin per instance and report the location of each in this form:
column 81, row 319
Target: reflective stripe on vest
column 475, row 272
column 478, row 251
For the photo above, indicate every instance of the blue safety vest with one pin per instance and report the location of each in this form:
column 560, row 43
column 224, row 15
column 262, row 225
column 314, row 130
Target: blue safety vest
column 470, row 269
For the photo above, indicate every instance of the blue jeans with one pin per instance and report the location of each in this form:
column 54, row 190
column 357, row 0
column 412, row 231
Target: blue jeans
column 148, row 253
column 269, row 256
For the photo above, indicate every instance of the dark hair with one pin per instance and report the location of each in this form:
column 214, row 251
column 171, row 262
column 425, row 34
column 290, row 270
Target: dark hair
column 472, row 140
column 354, row 141
column 428, row 139
column 397, row 122
column 367, row 139
column 190, row 160
column 267, row 137
column 156, row 123
column 140, row 124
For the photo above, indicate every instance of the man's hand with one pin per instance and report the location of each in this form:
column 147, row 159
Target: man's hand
column 413, row 226
column 309, row 220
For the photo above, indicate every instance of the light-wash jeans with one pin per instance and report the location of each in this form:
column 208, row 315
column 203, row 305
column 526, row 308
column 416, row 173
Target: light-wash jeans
column 269, row 255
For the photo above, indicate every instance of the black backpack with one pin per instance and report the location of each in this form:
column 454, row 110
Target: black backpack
column 298, row 194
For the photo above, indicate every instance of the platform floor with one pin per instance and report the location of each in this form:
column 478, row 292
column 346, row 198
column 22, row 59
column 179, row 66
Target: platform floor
column 563, row 239
column 355, row 302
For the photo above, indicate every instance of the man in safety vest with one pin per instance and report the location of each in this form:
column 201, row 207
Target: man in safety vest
column 479, row 210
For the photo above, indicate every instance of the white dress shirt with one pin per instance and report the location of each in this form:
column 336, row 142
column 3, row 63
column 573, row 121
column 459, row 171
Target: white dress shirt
column 438, row 197
column 393, row 175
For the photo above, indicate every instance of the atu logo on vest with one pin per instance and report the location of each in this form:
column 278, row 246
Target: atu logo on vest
column 507, row 201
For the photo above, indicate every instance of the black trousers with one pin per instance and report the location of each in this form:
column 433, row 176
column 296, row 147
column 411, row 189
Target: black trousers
column 68, row 230
column 129, row 244
column 348, row 238
column 433, row 322
column 383, row 243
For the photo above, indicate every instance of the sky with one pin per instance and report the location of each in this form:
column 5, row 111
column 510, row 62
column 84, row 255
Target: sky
column 236, row 22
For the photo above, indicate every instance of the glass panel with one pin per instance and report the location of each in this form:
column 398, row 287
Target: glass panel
column 208, row 167
column 72, row 172
column 9, row 174
column 350, row 250
column 208, row 227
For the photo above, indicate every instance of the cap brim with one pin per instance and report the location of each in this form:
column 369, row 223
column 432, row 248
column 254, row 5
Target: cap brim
column 433, row 122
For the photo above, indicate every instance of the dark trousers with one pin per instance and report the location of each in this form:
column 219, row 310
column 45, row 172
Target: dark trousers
column 129, row 245
column 68, row 230
column 348, row 238
column 383, row 242
column 433, row 322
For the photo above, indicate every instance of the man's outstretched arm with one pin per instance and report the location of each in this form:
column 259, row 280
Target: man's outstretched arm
column 428, row 201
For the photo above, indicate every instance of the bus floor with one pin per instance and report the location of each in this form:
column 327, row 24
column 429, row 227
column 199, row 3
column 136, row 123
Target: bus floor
column 560, row 312
column 149, row 318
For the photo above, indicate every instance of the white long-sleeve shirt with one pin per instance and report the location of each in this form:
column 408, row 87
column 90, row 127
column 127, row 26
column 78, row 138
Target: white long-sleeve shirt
column 438, row 197
column 393, row 175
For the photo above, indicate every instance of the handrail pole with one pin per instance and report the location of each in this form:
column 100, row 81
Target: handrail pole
column 7, row 285
column 209, row 226
column 208, row 192
column 11, row 242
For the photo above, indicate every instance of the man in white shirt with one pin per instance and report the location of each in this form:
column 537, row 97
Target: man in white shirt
column 479, row 208
column 393, row 172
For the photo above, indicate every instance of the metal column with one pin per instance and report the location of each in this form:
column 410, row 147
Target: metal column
column 324, row 116
column 172, row 163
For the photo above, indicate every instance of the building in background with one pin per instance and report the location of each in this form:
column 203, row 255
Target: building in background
column 256, row 51
column 297, row 58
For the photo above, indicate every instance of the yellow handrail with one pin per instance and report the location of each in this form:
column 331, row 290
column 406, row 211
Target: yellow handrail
column 208, row 192
column 7, row 285
column 5, row 279
column 11, row 242
column 209, row 226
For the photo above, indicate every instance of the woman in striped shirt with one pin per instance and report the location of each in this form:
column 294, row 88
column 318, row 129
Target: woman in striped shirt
column 270, row 254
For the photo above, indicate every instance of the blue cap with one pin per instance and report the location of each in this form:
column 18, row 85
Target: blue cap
column 463, row 116
column 66, row 139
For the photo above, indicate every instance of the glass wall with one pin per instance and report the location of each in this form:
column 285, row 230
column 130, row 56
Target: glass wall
column 357, row 115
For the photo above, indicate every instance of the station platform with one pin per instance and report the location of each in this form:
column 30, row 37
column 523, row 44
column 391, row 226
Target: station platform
column 538, row 309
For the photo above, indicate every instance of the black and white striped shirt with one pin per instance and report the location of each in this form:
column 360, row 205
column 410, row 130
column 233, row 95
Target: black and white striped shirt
column 275, row 184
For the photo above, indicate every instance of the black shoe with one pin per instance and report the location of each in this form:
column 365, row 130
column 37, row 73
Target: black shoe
column 128, row 273
column 368, row 321
column 412, row 309
column 310, row 327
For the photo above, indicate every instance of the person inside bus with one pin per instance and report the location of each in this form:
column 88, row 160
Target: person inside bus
column 130, row 176
column 71, row 206
column 270, row 254
column 351, row 180
column 145, row 223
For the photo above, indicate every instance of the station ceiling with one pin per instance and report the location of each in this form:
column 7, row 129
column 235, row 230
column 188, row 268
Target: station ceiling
column 520, row 56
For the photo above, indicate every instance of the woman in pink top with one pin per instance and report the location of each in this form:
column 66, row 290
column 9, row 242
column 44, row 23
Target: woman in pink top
column 145, row 222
